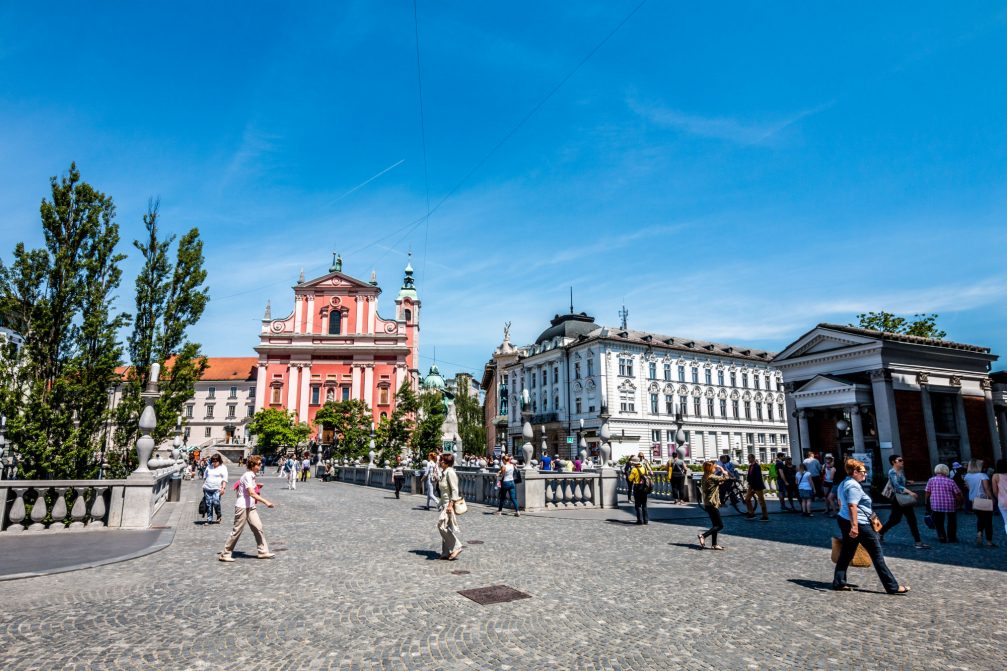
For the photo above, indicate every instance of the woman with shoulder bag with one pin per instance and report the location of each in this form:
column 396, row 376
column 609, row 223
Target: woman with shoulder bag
column 447, row 521
column 1000, row 488
column 903, row 501
column 857, row 524
column 981, row 496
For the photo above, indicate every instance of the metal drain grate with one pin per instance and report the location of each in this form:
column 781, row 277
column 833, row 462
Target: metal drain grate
column 473, row 542
column 495, row 594
column 460, row 572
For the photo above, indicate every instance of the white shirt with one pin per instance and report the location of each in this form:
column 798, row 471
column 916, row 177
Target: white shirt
column 508, row 473
column 215, row 478
column 306, row 464
column 974, row 481
column 245, row 485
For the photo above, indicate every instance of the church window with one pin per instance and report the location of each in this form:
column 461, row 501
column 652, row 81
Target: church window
column 407, row 314
column 383, row 396
column 274, row 395
column 316, row 393
column 346, row 393
column 335, row 322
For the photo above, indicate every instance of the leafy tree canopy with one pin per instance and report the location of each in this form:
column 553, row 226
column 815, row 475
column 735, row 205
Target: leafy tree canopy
column 922, row 325
column 351, row 422
column 275, row 428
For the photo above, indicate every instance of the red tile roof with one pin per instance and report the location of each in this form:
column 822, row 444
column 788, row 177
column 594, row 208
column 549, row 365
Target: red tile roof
column 219, row 368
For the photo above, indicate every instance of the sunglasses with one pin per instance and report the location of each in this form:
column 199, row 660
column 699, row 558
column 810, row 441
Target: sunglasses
column 860, row 470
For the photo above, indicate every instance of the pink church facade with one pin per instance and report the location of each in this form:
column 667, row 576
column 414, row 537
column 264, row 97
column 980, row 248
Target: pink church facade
column 334, row 345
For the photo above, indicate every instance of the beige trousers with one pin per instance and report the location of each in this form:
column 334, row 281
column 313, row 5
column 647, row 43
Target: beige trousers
column 447, row 525
column 251, row 517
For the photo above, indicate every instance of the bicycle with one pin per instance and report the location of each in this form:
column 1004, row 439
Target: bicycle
column 733, row 492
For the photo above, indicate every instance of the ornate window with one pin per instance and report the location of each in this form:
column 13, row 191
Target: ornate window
column 734, row 410
column 275, row 394
column 681, row 373
column 695, row 375
column 720, row 378
column 667, row 372
column 697, row 406
column 316, row 395
column 590, row 367
column 576, row 370
column 383, row 395
column 723, row 407
column 335, row 322
column 652, row 370
column 709, row 407
column 407, row 314
column 653, row 404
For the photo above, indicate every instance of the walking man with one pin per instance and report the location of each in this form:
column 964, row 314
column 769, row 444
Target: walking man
column 756, row 489
column 814, row 469
column 677, row 473
column 782, row 484
column 245, row 513
column 305, row 467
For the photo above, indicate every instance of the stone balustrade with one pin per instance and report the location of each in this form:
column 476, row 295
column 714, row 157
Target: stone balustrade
column 536, row 491
column 73, row 505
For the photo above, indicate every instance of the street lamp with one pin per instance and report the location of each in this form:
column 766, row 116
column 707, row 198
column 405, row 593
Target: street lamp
column 582, row 443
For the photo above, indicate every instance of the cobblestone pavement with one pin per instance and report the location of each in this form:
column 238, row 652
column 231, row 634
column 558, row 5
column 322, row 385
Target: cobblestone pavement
column 355, row 585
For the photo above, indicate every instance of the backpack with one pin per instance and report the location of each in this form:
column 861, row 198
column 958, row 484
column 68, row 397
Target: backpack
column 517, row 476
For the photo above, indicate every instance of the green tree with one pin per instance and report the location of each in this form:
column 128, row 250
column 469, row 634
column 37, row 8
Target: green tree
column 351, row 422
column 392, row 434
column 275, row 428
column 470, row 419
column 426, row 436
column 54, row 392
column 922, row 325
column 170, row 299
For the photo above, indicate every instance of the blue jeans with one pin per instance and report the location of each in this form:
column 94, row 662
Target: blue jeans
column 507, row 488
column 212, row 498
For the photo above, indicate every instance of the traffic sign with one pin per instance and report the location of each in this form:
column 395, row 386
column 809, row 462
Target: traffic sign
column 569, row 440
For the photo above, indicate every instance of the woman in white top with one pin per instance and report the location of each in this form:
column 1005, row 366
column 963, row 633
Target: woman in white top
column 979, row 488
column 505, row 481
column 214, row 483
column 805, row 489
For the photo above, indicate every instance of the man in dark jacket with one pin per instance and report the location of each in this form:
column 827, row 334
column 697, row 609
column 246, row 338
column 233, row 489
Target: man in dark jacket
column 756, row 489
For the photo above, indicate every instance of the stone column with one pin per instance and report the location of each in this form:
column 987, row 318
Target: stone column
column 359, row 315
column 963, row 428
column 793, row 433
column 311, row 315
column 355, row 388
column 884, row 410
column 805, row 437
column 928, row 417
column 858, row 429
column 292, row 387
column 260, row 387
column 325, row 323
column 302, row 413
column 991, row 418
column 369, row 385
column 298, row 312
column 374, row 315
column 1002, row 415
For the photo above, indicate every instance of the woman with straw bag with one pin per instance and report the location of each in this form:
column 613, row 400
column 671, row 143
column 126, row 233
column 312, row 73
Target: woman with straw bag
column 857, row 527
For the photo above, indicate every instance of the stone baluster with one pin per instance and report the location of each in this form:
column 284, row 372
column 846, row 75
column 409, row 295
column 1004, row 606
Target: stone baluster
column 78, row 510
column 98, row 508
column 17, row 511
column 39, row 510
column 589, row 491
column 59, row 508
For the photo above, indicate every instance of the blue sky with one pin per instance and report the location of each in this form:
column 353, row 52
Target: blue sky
column 736, row 172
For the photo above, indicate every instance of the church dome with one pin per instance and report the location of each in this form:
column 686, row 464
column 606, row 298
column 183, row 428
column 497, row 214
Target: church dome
column 568, row 326
column 433, row 380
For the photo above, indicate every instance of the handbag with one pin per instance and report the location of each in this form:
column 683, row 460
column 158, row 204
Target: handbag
column 982, row 504
column 202, row 506
column 876, row 523
column 460, row 506
column 888, row 492
column 860, row 558
column 517, row 476
column 905, row 499
column 928, row 519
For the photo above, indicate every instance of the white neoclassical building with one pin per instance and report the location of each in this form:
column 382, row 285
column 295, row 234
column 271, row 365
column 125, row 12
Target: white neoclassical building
column 729, row 398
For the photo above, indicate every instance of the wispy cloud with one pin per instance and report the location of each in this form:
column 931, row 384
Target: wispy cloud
column 248, row 160
column 606, row 244
column 743, row 132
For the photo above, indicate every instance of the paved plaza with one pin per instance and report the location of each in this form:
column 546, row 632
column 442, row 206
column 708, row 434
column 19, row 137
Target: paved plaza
column 356, row 585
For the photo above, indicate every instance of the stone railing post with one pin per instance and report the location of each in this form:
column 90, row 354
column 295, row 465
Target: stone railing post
column 531, row 491
column 608, row 483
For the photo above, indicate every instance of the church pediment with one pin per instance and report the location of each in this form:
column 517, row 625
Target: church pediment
column 825, row 383
column 337, row 280
column 827, row 390
column 821, row 340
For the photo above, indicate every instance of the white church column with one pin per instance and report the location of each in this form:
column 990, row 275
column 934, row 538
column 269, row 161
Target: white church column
column 260, row 387
column 302, row 413
column 292, row 379
column 355, row 389
column 802, row 420
column 298, row 312
column 359, row 315
column 369, row 385
column 311, row 315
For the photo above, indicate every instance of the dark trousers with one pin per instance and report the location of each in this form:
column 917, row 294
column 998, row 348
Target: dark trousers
column 508, row 488
column 898, row 512
column 715, row 521
column 952, row 518
column 399, row 480
column 640, row 504
column 304, row 474
column 872, row 544
column 984, row 522
column 816, row 482
column 678, row 487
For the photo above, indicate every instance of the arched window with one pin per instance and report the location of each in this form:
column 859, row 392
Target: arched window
column 407, row 315
column 335, row 322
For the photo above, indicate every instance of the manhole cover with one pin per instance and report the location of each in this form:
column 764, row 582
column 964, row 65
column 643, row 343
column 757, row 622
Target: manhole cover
column 460, row 572
column 495, row 594
column 474, row 542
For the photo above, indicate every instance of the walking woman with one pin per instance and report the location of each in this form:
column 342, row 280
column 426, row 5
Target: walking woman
column 505, row 481
column 710, row 487
column 431, row 476
column 829, row 477
column 903, row 508
column 447, row 522
column 805, row 489
column 398, row 475
column 856, row 529
column 1000, row 488
column 944, row 498
column 979, row 488
column 640, row 480
column 214, row 483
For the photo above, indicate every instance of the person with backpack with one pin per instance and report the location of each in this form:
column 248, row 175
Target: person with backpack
column 290, row 472
column 677, row 474
column 641, row 481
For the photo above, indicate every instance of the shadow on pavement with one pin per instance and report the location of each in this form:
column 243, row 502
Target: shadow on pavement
column 428, row 554
column 817, row 532
column 687, row 546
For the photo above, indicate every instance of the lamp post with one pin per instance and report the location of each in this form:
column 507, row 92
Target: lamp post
column 582, row 443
